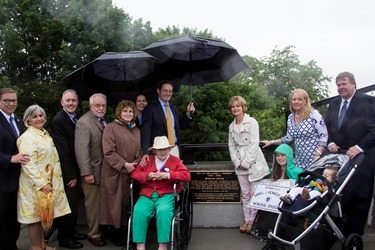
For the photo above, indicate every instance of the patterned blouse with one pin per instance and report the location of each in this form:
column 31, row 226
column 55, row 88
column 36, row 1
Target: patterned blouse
column 307, row 136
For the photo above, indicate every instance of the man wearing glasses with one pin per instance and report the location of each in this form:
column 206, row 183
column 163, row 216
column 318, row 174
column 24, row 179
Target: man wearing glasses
column 160, row 118
column 89, row 155
column 11, row 126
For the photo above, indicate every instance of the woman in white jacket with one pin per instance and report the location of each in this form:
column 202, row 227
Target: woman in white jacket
column 246, row 155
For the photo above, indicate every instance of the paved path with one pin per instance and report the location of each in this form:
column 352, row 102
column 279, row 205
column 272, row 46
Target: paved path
column 202, row 239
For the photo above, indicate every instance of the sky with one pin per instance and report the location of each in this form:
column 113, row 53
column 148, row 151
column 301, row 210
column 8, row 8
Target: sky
column 338, row 34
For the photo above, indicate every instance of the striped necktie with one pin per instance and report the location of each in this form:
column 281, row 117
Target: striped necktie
column 342, row 113
column 13, row 127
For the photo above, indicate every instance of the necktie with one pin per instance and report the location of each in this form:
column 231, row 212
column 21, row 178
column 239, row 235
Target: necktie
column 12, row 126
column 342, row 113
column 168, row 116
column 101, row 120
column 74, row 119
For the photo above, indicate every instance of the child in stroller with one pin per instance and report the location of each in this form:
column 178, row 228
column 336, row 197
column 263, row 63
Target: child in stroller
column 317, row 223
column 314, row 188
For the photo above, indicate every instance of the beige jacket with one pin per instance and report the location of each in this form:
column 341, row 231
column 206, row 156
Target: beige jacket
column 88, row 145
column 244, row 149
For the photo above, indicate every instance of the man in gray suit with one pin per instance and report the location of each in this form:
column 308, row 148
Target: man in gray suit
column 89, row 155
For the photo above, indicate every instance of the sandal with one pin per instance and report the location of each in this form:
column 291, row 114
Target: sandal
column 246, row 228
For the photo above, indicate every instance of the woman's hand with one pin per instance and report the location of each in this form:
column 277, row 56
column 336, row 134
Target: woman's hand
column 47, row 188
column 240, row 167
column 157, row 176
column 130, row 166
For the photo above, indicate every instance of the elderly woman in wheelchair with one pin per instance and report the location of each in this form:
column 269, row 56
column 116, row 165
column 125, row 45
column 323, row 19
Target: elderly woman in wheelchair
column 157, row 178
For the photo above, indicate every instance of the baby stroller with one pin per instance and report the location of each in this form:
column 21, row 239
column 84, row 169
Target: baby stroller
column 317, row 223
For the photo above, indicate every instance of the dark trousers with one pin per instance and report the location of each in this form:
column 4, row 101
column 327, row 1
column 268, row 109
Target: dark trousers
column 9, row 226
column 66, row 224
column 356, row 201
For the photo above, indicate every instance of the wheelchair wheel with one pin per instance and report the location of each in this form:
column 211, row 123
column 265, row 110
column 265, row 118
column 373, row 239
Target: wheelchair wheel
column 187, row 216
column 183, row 226
column 354, row 241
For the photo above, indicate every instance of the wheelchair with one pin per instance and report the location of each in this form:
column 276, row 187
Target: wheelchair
column 182, row 220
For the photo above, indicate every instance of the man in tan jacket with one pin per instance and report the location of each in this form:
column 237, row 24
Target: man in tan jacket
column 89, row 154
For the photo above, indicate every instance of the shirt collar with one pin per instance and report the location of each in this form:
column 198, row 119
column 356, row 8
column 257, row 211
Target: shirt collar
column 6, row 115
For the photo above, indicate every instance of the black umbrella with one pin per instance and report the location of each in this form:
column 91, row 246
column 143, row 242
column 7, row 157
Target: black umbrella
column 119, row 75
column 195, row 60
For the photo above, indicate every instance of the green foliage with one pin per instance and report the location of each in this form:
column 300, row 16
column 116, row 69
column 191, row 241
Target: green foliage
column 42, row 41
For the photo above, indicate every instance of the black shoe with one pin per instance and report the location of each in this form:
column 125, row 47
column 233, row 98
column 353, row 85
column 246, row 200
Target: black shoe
column 78, row 236
column 118, row 242
column 71, row 244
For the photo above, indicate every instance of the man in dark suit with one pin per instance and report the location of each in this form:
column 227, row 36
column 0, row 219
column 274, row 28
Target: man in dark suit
column 11, row 126
column 350, row 121
column 62, row 132
column 155, row 120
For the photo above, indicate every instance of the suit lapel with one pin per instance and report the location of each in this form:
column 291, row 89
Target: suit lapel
column 353, row 103
column 160, row 111
column 6, row 124
column 20, row 124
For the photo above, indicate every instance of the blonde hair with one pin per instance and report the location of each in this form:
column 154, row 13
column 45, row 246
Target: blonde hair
column 241, row 101
column 306, row 98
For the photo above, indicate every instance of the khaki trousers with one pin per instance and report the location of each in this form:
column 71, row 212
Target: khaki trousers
column 91, row 192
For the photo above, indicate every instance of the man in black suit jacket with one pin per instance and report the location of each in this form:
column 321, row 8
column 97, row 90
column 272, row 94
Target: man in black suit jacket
column 10, row 168
column 155, row 122
column 62, row 132
column 356, row 135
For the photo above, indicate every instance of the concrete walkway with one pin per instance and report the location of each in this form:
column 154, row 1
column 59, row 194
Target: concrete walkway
column 202, row 239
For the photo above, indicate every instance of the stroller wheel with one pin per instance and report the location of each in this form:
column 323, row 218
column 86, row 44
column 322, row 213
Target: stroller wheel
column 353, row 241
column 273, row 246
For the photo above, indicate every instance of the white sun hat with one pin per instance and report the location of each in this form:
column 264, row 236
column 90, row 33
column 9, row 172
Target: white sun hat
column 160, row 142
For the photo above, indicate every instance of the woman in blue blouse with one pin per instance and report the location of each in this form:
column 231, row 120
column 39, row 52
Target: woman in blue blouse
column 306, row 127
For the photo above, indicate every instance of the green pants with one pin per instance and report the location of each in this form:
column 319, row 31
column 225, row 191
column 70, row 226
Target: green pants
column 145, row 209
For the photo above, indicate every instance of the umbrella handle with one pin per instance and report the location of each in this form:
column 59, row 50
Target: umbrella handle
column 49, row 167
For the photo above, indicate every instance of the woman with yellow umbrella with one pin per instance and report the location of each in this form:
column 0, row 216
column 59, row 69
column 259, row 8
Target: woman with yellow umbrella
column 41, row 195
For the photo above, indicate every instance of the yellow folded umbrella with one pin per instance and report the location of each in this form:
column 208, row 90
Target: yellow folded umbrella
column 46, row 203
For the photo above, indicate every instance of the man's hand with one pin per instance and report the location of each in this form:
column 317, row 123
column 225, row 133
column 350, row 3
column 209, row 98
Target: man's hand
column 89, row 179
column 72, row 183
column 20, row 158
column 353, row 152
column 190, row 109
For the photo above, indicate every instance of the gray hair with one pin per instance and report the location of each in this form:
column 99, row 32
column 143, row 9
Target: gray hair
column 31, row 111
column 69, row 91
column 91, row 100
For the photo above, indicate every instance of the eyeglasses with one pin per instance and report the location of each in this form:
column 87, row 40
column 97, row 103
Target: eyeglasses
column 9, row 101
column 99, row 105
column 167, row 91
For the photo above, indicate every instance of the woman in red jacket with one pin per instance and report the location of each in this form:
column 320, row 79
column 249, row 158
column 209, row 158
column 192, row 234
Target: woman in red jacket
column 157, row 178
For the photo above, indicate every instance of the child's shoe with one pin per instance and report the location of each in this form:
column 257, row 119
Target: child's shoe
column 286, row 199
column 305, row 194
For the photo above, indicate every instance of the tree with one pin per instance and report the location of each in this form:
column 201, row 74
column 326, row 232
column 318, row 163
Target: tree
column 41, row 41
column 266, row 86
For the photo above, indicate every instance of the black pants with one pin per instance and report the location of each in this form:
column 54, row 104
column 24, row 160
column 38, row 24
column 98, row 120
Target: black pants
column 9, row 226
column 66, row 224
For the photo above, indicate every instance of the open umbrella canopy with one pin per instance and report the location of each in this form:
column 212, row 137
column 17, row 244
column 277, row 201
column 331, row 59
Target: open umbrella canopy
column 195, row 60
column 119, row 75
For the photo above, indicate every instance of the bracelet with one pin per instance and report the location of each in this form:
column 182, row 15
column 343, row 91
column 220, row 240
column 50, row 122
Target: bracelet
column 272, row 142
column 318, row 152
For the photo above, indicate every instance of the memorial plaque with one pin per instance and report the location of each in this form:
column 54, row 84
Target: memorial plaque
column 214, row 186
column 267, row 193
